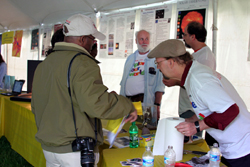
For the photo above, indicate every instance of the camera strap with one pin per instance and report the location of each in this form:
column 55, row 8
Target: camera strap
column 73, row 112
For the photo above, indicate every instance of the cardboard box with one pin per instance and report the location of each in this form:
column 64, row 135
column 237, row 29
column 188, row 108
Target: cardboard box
column 147, row 140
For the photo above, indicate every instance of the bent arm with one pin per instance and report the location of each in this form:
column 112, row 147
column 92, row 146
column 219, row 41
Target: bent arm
column 158, row 97
column 215, row 120
column 222, row 120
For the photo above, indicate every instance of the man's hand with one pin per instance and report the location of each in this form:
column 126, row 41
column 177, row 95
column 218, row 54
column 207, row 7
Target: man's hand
column 132, row 117
column 186, row 128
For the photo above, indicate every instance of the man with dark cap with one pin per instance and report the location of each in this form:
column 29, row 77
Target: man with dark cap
column 217, row 105
column 69, row 98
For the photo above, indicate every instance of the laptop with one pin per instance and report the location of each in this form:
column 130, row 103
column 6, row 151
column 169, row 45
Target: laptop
column 17, row 88
column 22, row 97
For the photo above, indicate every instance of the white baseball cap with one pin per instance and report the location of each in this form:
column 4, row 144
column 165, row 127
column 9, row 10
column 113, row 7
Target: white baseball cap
column 79, row 25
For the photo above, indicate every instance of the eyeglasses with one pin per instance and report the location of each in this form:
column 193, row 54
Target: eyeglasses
column 159, row 62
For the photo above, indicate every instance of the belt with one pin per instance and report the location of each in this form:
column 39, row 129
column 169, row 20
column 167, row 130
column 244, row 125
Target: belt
column 135, row 98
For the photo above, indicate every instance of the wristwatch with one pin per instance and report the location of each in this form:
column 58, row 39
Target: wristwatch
column 197, row 125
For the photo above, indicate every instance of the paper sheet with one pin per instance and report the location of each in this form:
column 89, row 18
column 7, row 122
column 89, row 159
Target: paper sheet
column 115, row 126
column 167, row 135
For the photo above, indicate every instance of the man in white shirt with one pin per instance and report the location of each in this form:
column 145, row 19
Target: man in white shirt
column 194, row 37
column 218, row 107
column 141, row 80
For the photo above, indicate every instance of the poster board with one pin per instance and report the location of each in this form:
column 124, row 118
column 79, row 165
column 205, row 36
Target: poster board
column 189, row 10
column 119, row 30
column 157, row 21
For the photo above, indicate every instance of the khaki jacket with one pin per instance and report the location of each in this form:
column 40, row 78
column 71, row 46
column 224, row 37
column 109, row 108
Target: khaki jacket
column 51, row 101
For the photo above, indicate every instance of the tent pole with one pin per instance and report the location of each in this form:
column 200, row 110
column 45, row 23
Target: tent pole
column 39, row 42
column 214, row 27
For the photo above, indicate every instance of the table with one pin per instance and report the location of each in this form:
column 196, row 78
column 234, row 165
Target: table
column 129, row 153
column 17, row 124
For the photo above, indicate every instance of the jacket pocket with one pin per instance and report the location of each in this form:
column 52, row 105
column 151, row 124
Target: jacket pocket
column 151, row 79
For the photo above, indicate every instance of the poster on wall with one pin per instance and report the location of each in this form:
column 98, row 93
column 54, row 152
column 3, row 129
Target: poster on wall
column 119, row 31
column 7, row 37
column 17, row 43
column 34, row 39
column 157, row 21
column 46, row 40
column 189, row 10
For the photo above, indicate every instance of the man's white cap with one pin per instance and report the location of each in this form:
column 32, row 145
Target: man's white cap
column 79, row 25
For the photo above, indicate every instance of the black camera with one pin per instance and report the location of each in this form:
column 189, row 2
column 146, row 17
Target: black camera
column 86, row 146
column 151, row 70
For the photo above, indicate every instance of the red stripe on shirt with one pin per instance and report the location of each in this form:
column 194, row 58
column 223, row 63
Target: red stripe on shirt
column 222, row 120
column 186, row 70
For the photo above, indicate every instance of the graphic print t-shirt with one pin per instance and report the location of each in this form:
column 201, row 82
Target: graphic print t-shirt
column 135, row 81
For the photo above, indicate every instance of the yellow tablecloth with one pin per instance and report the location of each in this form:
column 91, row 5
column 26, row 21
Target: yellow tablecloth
column 17, row 124
column 112, row 157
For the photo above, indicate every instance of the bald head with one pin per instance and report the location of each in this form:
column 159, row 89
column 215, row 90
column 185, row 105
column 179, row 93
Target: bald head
column 143, row 41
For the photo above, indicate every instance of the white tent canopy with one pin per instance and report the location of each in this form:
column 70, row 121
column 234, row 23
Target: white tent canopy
column 25, row 14
column 232, row 44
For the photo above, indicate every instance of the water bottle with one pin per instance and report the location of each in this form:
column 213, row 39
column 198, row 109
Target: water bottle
column 147, row 158
column 133, row 136
column 214, row 157
column 169, row 157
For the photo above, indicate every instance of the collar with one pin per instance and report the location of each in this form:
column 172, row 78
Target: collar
column 146, row 54
column 66, row 46
column 200, row 48
column 184, row 75
column 196, row 50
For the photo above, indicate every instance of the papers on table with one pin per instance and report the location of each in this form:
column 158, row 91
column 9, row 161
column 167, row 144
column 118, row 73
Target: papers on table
column 121, row 142
column 114, row 127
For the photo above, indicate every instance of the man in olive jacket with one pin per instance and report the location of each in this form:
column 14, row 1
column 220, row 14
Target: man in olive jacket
column 51, row 102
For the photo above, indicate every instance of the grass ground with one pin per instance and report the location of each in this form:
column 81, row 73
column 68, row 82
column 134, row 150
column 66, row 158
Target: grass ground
column 10, row 158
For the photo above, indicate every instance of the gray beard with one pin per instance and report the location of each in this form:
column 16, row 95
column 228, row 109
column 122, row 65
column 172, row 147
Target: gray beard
column 141, row 49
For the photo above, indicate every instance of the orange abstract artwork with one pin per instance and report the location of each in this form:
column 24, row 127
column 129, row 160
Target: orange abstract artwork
column 17, row 43
column 191, row 16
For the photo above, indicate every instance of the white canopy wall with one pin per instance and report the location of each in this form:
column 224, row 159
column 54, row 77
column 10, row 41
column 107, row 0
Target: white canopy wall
column 233, row 44
column 232, row 51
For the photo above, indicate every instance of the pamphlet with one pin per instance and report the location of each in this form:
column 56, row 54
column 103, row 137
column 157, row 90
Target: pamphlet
column 115, row 126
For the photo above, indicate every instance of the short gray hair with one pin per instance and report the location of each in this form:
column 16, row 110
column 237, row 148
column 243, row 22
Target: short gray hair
column 136, row 33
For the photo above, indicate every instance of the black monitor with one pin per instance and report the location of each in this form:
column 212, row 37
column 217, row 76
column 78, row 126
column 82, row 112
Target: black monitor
column 31, row 67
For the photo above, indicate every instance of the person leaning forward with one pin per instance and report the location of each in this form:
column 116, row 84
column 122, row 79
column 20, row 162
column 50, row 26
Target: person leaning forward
column 216, row 103
column 51, row 102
